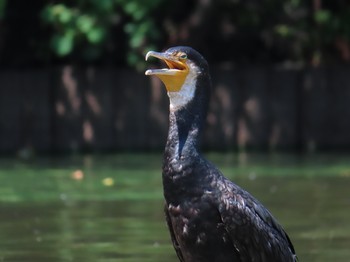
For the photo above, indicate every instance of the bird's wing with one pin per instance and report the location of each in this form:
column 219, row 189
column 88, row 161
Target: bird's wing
column 173, row 238
column 253, row 231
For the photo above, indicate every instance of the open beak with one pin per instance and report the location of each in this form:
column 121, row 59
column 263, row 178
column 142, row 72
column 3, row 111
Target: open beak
column 175, row 75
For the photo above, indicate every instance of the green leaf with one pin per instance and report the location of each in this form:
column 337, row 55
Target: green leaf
column 283, row 30
column 136, row 41
column 65, row 16
column 63, row 44
column 322, row 16
column 85, row 23
column 139, row 14
column 137, row 38
column 131, row 7
column 57, row 9
column 96, row 35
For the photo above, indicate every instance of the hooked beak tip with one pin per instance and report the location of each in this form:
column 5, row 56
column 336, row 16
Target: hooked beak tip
column 149, row 53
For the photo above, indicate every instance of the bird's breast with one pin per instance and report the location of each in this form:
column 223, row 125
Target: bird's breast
column 199, row 230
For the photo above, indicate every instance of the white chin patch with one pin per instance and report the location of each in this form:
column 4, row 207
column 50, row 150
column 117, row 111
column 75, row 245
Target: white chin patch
column 185, row 95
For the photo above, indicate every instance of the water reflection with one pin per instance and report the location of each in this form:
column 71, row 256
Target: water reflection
column 47, row 215
column 84, row 231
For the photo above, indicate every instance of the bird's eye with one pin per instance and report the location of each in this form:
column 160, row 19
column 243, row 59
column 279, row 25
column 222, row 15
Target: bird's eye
column 183, row 56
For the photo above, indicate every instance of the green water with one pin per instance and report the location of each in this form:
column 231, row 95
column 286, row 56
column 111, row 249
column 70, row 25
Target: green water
column 110, row 208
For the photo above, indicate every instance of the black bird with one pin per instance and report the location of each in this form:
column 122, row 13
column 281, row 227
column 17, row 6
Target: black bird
column 209, row 217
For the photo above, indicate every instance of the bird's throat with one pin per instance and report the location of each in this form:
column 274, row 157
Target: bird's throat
column 184, row 96
column 184, row 134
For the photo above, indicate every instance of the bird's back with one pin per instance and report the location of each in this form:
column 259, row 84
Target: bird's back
column 252, row 228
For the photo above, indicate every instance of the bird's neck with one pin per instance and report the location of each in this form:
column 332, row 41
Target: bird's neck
column 182, row 148
column 184, row 134
column 185, row 126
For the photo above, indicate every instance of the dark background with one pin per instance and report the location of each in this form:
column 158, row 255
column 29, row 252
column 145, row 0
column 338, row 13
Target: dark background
column 71, row 73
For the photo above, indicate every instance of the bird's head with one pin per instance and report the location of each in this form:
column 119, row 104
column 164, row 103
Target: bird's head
column 186, row 68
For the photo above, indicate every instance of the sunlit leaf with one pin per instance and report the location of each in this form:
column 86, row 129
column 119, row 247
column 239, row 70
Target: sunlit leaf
column 57, row 9
column 96, row 35
column 65, row 16
column 63, row 44
column 85, row 23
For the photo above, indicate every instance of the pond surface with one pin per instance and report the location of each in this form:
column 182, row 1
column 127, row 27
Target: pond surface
column 110, row 207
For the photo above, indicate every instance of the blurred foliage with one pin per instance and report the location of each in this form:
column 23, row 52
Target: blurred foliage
column 2, row 8
column 88, row 24
column 314, row 30
column 309, row 32
column 121, row 31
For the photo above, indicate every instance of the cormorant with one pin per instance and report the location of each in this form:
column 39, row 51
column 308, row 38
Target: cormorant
column 209, row 217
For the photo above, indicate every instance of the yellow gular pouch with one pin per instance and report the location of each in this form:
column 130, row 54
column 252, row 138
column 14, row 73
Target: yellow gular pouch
column 175, row 75
column 173, row 83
